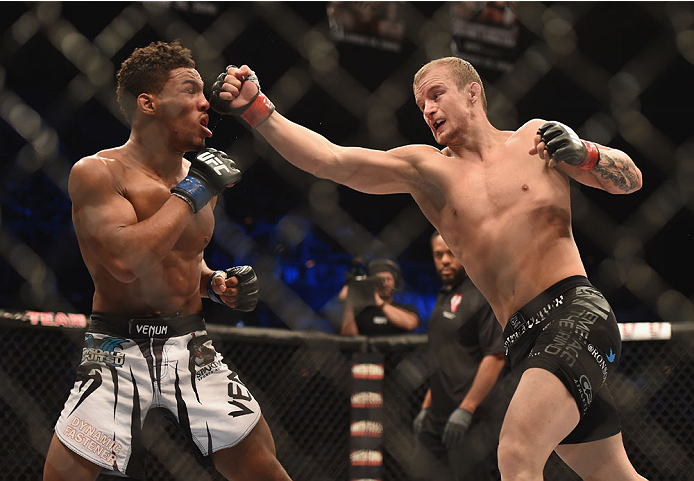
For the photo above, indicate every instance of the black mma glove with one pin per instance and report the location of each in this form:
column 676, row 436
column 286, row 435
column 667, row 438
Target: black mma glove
column 249, row 291
column 456, row 427
column 564, row 145
column 419, row 421
column 210, row 172
column 254, row 112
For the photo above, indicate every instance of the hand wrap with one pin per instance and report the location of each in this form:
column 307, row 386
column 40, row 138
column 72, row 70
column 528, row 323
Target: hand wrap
column 564, row 145
column 254, row 112
column 248, row 288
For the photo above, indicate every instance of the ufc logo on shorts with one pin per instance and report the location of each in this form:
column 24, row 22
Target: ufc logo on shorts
column 210, row 159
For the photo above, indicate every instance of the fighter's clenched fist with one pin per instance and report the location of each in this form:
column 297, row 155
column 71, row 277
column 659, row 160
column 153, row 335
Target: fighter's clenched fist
column 556, row 142
column 236, row 287
column 237, row 92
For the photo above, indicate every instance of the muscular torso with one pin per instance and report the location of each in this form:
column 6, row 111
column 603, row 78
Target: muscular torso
column 507, row 218
column 167, row 287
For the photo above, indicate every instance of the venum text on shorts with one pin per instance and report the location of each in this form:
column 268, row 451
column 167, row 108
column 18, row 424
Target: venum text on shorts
column 151, row 330
column 235, row 391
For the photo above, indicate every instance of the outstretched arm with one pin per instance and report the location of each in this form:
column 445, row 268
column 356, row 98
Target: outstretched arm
column 586, row 162
column 366, row 170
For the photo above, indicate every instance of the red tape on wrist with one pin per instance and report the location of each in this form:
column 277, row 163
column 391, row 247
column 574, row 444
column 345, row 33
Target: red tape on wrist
column 592, row 157
column 258, row 111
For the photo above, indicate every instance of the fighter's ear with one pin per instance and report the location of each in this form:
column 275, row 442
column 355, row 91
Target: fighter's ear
column 145, row 103
column 475, row 92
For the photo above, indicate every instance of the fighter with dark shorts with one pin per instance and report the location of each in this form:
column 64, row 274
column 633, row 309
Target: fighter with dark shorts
column 571, row 331
column 501, row 199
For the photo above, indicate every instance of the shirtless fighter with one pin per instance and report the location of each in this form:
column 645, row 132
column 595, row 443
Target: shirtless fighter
column 143, row 215
column 501, row 202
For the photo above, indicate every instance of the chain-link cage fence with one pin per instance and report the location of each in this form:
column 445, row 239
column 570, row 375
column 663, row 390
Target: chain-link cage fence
column 303, row 384
column 620, row 73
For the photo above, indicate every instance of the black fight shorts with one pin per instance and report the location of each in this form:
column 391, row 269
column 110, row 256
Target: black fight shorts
column 571, row 331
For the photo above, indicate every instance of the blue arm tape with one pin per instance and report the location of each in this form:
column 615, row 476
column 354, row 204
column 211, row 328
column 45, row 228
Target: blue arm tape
column 212, row 294
column 197, row 190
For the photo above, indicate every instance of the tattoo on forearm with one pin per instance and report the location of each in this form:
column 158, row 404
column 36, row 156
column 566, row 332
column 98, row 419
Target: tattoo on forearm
column 615, row 170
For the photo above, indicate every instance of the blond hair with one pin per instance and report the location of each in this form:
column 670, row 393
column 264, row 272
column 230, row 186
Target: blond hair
column 462, row 71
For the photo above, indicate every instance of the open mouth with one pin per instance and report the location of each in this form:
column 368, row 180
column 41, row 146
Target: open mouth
column 203, row 123
column 438, row 124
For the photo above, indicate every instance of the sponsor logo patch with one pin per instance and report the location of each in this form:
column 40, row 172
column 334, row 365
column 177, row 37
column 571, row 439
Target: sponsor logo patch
column 585, row 392
column 366, row 457
column 367, row 400
column 366, row 429
column 107, row 350
column 367, row 371
column 455, row 302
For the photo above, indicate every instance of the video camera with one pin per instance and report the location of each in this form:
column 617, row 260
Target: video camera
column 361, row 290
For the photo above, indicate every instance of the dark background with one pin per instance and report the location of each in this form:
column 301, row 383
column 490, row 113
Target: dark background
column 618, row 73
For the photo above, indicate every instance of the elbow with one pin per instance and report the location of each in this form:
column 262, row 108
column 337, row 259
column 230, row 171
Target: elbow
column 413, row 324
column 349, row 330
column 639, row 181
column 328, row 165
column 632, row 177
column 631, row 185
column 122, row 272
column 125, row 277
column 323, row 170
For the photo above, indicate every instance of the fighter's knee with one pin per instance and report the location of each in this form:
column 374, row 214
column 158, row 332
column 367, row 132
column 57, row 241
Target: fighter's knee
column 508, row 455
column 516, row 461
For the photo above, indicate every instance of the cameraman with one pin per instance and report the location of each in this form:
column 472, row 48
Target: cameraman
column 369, row 308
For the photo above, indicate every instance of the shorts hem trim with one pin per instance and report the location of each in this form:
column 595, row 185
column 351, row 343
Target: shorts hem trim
column 101, row 464
column 591, row 439
column 235, row 443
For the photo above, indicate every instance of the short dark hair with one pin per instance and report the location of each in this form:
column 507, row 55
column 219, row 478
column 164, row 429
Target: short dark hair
column 147, row 70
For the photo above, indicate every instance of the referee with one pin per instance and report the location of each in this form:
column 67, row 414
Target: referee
column 457, row 430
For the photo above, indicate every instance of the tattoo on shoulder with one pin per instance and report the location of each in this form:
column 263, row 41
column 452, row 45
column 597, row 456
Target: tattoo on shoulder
column 617, row 171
